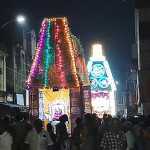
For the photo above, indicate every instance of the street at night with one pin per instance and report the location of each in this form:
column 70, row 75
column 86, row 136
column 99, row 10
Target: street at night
column 75, row 75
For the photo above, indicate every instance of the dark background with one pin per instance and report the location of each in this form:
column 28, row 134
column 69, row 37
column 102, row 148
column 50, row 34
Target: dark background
column 110, row 22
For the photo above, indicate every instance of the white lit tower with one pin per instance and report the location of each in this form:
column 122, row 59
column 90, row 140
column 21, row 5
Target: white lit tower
column 102, row 83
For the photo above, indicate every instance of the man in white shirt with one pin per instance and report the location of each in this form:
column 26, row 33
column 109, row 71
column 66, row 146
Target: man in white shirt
column 6, row 139
column 38, row 138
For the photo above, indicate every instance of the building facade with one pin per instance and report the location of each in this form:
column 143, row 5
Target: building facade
column 121, row 104
column 22, row 63
column 2, row 75
column 142, row 23
column 19, row 62
column 19, row 68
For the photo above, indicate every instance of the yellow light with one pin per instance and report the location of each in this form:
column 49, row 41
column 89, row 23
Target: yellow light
column 70, row 47
column 97, row 51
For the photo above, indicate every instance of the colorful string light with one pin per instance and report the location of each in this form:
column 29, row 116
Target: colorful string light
column 38, row 54
column 80, row 61
column 48, row 57
column 59, row 59
column 71, row 53
column 54, row 50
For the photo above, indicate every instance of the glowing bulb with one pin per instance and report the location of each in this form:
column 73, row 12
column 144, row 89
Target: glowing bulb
column 20, row 19
column 97, row 52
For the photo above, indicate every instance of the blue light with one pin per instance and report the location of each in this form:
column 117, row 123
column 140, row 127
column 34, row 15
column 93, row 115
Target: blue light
column 98, row 76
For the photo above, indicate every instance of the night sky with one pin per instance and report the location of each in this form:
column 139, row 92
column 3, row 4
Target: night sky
column 110, row 22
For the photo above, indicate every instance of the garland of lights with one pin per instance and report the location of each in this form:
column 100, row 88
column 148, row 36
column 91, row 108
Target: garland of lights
column 38, row 54
column 77, row 46
column 68, row 42
column 59, row 60
column 80, row 61
column 48, row 57
column 55, row 48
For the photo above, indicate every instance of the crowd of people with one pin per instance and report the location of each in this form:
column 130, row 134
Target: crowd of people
column 90, row 133
column 108, row 133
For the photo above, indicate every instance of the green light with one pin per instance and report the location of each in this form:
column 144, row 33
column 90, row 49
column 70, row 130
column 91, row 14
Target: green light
column 48, row 58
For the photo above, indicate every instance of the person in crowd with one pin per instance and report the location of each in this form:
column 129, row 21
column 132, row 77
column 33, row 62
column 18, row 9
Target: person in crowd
column 62, row 138
column 51, row 134
column 89, row 133
column 129, row 135
column 104, row 126
column 6, row 139
column 138, row 132
column 114, row 138
column 21, row 128
column 146, row 138
column 38, row 138
column 76, row 139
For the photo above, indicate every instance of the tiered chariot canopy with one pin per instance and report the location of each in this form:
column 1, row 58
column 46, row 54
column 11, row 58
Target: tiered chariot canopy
column 58, row 60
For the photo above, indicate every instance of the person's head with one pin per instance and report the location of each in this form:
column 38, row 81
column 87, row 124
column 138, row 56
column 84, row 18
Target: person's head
column 94, row 115
column 115, row 124
column 87, row 117
column 49, row 127
column 64, row 118
column 127, row 126
column 38, row 125
column 109, row 116
column 19, row 117
column 105, row 117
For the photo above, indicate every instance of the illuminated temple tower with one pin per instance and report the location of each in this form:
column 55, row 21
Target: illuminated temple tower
column 102, row 83
column 58, row 76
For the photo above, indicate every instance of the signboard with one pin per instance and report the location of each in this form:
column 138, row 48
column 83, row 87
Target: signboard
column 20, row 99
column 86, row 98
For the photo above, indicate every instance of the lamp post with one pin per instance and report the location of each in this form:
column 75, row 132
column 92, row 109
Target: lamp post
column 20, row 19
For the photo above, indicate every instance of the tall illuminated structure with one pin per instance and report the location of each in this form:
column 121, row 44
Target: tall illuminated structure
column 58, row 76
column 102, row 83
